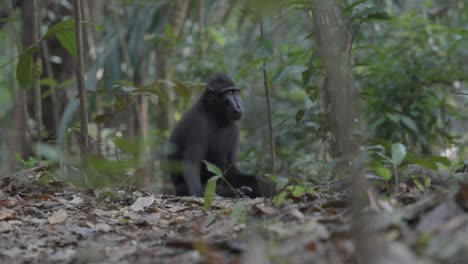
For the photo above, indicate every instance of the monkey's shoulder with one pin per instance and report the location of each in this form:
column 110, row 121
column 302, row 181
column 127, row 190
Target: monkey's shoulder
column 192, row 125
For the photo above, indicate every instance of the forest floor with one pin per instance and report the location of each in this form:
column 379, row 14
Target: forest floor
column 43, row 220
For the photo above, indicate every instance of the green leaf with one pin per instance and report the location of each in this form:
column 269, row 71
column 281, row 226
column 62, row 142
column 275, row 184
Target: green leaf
column 217, row 36
column 183, row 90
column 98, row 27
column 299, row 116
column 18, row 157
column 427, row 161
column 288, row 70
column 27, row 72
column 264, row 47
column 128, row 146
column 418, row 184
column 102, row 118
column 210, row 192
column 48, row 82
column 408, row 122
column 383, row 172
column 298, row 191
column 445, row 161
column 281, row 198
column 249, row 66
column 210, row 188
column 65, row 33
column 213, row 168
column 398, row 153
column 413, row 159
column 153, row 89
column 103, row 165
column 124, row 83
column 121, row 103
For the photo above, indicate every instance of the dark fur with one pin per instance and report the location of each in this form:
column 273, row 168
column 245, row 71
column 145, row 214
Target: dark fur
column 210, row 131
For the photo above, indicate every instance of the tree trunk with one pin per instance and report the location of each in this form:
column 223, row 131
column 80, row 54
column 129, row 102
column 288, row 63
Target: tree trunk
column 19, row 143
column 37, row 87
column 338, row 96
column 81, row 87
column 176, row 17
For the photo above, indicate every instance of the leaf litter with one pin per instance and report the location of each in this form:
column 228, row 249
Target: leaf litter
column 59, row 223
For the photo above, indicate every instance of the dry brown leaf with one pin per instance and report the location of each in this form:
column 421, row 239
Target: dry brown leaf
column 152, row 219
column 10, row 202
column 7, row 214
column 105, row 214
column 462, row 196
column 42, row 197
column 142, row 203
column 266, row 210
column 178, row 208
column 297, row 214
column 58, row 217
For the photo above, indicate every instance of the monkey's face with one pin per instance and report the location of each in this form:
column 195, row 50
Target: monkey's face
column 225, row 101
column 233, row 103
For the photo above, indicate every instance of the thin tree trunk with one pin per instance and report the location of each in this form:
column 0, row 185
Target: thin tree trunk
column 270, row 123
column 145, row 169
column 176, row 18
column 90, row 39
column 81, row 87
column 37, row 87
column 50, row 75
column 201, row 22
column 19, row 143
column 331, row 38
column 90, row 36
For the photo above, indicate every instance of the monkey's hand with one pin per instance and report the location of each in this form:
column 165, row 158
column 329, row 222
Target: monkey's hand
column 243, row 191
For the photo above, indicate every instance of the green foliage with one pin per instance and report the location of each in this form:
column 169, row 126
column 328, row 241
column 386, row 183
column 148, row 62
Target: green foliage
column 297, row 191
column 65, row 33
column 210, row 188
column 399, row 159
column 247, row 68
column 125, row 93
column 264, row 48
column 422, row 186
column 427, row 161
column 26, row 164
column 28, row 70
column 382, row 171
column 398, row 154
column 408, row 67
column 406, row 83
column 210, row 192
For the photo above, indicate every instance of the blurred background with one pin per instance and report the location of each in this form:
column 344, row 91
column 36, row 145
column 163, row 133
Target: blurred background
column 146, row 62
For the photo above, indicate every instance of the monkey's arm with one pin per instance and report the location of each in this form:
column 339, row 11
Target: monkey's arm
column 261, row 186
column 191, row 168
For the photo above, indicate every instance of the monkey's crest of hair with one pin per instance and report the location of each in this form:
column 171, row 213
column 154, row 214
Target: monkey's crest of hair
column 219, row 81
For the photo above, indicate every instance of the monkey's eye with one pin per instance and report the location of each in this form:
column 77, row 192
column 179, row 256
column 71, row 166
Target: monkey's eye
column 234, row 92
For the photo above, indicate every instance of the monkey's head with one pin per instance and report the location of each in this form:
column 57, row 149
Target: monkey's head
column 222, row 98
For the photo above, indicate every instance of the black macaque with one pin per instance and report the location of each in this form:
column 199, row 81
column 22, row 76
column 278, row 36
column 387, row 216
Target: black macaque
column 210, row 131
